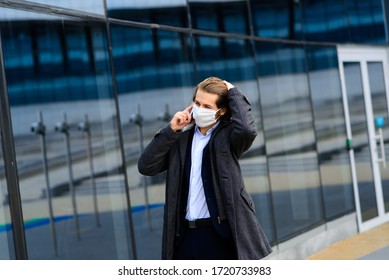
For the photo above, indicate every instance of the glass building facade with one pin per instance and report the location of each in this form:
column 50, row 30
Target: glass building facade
column 86, row 84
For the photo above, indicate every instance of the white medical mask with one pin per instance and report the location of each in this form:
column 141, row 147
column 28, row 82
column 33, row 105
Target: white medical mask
column 204, row 117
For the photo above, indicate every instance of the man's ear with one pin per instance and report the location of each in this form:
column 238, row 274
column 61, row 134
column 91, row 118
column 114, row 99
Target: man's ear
column 222, row 111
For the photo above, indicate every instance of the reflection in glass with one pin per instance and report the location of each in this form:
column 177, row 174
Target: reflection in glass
column 335, row 172
column 172, row 12
column 6, row 239
column 276, row 19
column 56, row 66
column 366, row 21
column 343, row 21
column 155, row 79
column 232, row 60
column 290, row 141
column 222, row 16
column 88, row 6
column 325, row 20
column 380, row 108
column 354, row 89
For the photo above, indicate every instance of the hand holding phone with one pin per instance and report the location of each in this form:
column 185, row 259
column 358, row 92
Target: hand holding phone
column 181, row 119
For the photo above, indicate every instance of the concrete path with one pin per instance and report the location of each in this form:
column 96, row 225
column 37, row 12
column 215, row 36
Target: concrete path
column 369, row 245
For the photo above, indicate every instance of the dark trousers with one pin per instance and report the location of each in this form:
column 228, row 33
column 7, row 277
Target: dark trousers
column 204, row 244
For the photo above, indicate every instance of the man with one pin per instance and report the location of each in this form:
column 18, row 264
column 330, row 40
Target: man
column 208, row 213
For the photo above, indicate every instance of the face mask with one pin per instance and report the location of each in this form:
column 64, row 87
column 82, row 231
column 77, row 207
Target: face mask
column 204, row 117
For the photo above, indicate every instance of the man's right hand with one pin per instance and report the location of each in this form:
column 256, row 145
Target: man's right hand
column 181, row 119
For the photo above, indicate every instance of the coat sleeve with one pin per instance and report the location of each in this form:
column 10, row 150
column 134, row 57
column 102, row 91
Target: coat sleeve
column 155, row 157
column 244, row 129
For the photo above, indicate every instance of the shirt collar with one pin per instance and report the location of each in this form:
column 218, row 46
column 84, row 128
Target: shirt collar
column 209, row 131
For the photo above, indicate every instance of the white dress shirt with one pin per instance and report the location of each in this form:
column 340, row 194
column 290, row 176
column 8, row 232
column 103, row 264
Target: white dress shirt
column 197, row 206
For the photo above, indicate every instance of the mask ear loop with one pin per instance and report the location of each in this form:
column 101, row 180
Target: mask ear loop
column 216, row 119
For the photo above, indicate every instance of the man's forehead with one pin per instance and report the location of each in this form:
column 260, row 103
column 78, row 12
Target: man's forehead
column 206, row 96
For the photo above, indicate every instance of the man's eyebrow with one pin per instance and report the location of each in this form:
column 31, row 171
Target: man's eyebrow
column 205, row 104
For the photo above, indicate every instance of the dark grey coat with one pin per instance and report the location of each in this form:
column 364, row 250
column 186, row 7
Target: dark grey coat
column 228, row 142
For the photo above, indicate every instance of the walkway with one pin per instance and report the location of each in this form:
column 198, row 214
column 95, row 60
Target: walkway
column 369, row 245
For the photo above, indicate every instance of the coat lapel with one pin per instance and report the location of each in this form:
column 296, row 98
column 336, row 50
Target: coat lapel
column 183, row 144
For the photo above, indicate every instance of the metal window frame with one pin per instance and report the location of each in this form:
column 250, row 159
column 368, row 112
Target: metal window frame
column 11, row 170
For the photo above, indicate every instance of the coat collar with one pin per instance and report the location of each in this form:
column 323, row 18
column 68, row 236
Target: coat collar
column 187, row 137
column 222, row 124
column 183, row 144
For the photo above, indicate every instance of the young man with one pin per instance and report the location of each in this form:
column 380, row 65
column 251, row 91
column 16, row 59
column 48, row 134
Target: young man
column 208, row 213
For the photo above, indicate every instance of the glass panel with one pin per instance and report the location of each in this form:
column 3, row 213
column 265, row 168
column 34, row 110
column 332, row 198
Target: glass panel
column 290, row 141
column 6, row 239
column 334, row 160
column 220, row 15
column 343, row 21
column 360, row 138
column 366, row 21
column 232, row 60
column 276, row 19
column 380, row 108
column 88, row 6
column 155, row 80
column 71, row 176
column 325, row 20
column 172, row 12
